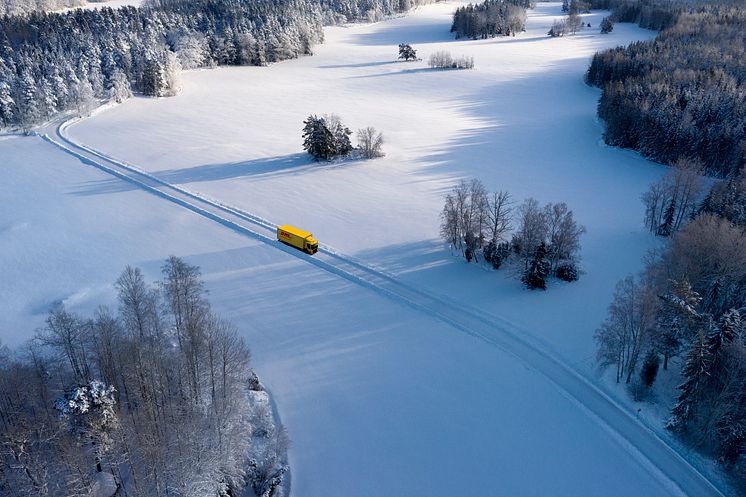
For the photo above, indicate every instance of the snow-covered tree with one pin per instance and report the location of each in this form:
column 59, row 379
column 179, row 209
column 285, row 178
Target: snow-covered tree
column 696, row 373
column 406, row 52
column 318, row 140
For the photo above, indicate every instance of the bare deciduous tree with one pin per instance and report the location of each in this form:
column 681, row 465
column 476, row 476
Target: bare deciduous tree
column 370, row 142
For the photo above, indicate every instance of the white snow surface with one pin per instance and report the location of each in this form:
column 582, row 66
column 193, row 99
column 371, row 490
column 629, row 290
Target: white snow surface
column 378, row 398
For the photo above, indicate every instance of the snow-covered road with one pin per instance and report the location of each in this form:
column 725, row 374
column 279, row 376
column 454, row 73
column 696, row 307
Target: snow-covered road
column 642, row 444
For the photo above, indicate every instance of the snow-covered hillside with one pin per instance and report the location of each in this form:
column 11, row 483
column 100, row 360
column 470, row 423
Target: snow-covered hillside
column 378, row 398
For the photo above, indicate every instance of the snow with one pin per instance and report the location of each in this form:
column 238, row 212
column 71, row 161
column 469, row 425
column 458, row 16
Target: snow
column 235, row 135
column 378, row 397
column 112, row 4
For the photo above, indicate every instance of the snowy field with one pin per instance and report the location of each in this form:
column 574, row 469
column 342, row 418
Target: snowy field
column 378, row 398
column 522, row 120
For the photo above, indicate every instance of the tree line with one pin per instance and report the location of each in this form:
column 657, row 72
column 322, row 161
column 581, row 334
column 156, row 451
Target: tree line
column 688, row 306
column 491, row 18
column 56, row 62
column 545, row 241
column 682, row 95
column 156, row 399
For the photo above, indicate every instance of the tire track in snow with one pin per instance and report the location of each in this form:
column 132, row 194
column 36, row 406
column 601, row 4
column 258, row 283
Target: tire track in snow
column 648, row 447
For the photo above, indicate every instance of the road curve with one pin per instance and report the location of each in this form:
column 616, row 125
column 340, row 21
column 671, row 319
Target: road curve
column 645, row 445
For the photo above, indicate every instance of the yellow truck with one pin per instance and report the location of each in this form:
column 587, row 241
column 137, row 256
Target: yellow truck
column 302, row 240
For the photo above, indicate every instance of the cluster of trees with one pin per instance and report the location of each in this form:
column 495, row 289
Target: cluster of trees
column 682, row 94
column 155, row 399
column 545, row 241
column 55, row 62
column 491, row 18
column 689, row 304
column 326, row 138
column 569, row 25
column 443, row 59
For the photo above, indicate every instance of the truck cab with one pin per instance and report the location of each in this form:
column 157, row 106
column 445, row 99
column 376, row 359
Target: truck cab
column 302, row 240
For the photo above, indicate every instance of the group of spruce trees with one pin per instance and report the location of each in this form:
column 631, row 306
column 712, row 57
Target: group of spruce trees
column 154, row 398
column 682, row 94
column 545, row 242
column 55, row 62
column 689, row 304
column 491, row 18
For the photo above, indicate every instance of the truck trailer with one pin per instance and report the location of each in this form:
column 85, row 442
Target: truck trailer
column 302, row 240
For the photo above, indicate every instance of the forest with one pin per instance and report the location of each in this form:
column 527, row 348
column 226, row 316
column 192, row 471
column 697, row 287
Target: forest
column 56, row 62
column 156, row 398
column 688, row 306
column 491, row 18
column 683, row 94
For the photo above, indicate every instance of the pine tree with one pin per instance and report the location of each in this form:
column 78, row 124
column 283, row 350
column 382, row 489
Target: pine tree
column 677, row 319
column 607, row 26
column 696, row 373
column 406, row 52
column 6, row 105
column 538, row 269
column 649, row 369
column 29, row 106
column 317, row 139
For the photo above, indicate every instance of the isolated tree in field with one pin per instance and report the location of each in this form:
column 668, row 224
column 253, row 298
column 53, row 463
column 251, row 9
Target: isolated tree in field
column 625, row 332
column 607, row 25
column 370, row 142
column 406, row 52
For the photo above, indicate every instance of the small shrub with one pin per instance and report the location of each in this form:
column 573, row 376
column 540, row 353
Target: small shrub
column 567, row 272
column 649, row 369
column 444, row 60
column 559, row 28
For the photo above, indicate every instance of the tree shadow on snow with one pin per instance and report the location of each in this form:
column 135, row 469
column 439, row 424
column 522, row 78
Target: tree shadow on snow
column 298, row 163
column 361, row 64
column 413, row 34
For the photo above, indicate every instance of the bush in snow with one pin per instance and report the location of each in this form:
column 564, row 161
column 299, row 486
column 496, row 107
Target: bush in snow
column 567, row 272
column 559, row 28
column 444, row 60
